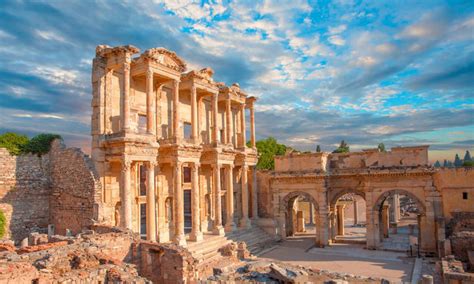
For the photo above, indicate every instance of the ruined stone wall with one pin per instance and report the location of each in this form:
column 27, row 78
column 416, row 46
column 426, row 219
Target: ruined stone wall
column 76, row 190
column 265, row 196
column 24, row 193
column 301, row 162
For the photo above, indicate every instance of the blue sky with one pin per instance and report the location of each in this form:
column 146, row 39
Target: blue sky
column 398, row 72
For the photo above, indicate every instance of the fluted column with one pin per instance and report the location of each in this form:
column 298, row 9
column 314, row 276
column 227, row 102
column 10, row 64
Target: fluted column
column 125, row 97
column 196, row 233
column 176, row 118
column 179, row 237
column 151, row 203
column 252, row 126
column 125, row 195
column 150, row 108
column 242, row 124
column 340, row 219
column 254, row 194
column 230, row 225
column 194, row 118
column 244, row 221
column 215, row 134
column 228, row 120
column 218, row 229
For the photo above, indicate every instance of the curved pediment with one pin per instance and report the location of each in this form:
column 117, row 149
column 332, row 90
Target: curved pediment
column 165, row 57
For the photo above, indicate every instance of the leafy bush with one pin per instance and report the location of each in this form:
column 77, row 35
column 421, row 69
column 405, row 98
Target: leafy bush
column 3, row 224
column 267, row 149
column 41, row 143
column 343, row 148
column 13, row 142
column 468, row 164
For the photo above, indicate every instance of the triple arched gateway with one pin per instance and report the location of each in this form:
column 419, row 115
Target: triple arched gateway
column 392, row 201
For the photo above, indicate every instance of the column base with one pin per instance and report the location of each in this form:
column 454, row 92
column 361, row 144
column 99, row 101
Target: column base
column 245, row 223
column 218, row 230
column 196, row 236
column 230, row 227
column 180, row 240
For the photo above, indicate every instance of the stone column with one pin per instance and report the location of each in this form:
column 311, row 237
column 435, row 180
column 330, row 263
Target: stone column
column 252, row 126
column 230, row 225
column 125, row 195
column 385, row 220
column 356, row 212
column 196, row 233
column 254, row 194
column 228, row 120
column 176, row 116
column 178, row 209
column 311, row 218
column 244, row 221
column 151, row 203
column 333, row 225
column 340, row 219
column 396, row 207
column 215, row 134
column 194, row 118
column 242, row 124
column 125, row 97
column 218, row 229
column 150, row 108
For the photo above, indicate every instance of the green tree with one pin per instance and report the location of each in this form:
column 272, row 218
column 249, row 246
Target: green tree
column 457, row 161
column 41, row 143
column 437, row 164
column 267, row 150
column 13, row 142
column 343, row 148
column 3, row 224
column 318, row 149
column 381, row 147
column 467, row 157
column 468, row 164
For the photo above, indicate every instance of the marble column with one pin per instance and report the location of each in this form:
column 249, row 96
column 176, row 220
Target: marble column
column 215, row 132
column 150, row 108
column 125, row 97
column 252, row 126
column 230, row 225
column 176, row 117
column 218, row 229
column 151, row 203
column 311, row 217
column 396, row 207
column 356, row 212
column 196, row 233
column 385, row 220
column 254, row 194
column 244, row 221
column 125, row 195
column 194, row 117
column 340, row 219
column 228, row 120
column 242, row 124
column 178, row 210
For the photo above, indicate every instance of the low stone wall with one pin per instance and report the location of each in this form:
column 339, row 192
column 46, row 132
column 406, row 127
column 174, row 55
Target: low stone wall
column 24, row 193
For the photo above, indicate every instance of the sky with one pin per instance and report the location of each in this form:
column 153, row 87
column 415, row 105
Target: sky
column 397, row 72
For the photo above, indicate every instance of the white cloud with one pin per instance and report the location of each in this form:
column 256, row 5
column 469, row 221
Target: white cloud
column 381, row 130
column 57, row 75
column 51, row 35
column 336, row 40
column 337, row 30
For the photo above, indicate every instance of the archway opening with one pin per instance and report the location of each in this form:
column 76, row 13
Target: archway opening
column 348, row 224
column 301, row 215
column 400, row 215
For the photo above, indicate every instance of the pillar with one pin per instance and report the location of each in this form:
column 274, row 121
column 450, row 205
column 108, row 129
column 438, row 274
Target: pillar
column 215, row 134
column 196, row 233
column 252, row 126
column 150, row 108
column 228, row 120
column 178, row 209
column 125, row 97
column 125, row 195
column 300, row 228
column 385, row 220
column 218, row 229
column 242, row 124
column 396, row 207
column 356, row 212
column 311, row 219
column 340, row 219
column 230, row 225
column 254, row 194
column 194, row 118
column 244, row 221
column 333, row 225
column 151, row 203
column 176, row 130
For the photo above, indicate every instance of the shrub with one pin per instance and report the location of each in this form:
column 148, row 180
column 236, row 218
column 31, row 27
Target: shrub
column 41, row 143
column 13, row 142
column 3, row 224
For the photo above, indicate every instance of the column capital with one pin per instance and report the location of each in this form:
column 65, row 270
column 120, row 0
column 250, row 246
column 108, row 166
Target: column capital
column 126, row 66
column 149, row 72
column 152, row 163
column 195, row 166
column 126, row 165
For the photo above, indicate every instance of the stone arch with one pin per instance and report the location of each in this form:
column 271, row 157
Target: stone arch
column 378, row 204
column 343, row 192
column 294, row 194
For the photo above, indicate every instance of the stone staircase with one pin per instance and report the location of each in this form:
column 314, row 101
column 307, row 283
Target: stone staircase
column 207, row 250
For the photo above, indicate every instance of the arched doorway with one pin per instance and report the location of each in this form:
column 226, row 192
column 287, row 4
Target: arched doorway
column 301, row 215
column 400, row 216
column 347, row 222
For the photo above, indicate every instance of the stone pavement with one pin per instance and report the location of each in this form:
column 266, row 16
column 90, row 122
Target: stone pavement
column 345, row 258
